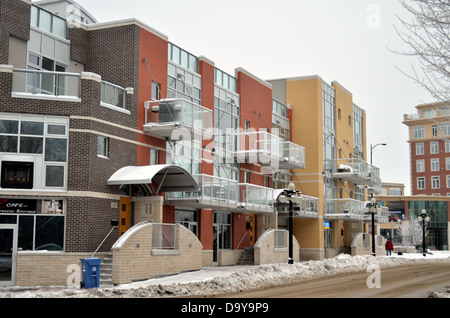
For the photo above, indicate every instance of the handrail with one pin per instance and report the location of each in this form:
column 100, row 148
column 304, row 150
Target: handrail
column 104, row 240
column 241, row 240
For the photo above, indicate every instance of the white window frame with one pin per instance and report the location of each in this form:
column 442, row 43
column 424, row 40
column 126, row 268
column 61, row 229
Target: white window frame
column 434, row 147
column 421, row 183
column 434, row 164
column 420, row 149
column 435, row 182
column 419, row 132
column 420, row 165
column 105, row 154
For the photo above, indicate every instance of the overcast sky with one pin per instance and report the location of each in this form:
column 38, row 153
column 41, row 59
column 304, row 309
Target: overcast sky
column 340, row 40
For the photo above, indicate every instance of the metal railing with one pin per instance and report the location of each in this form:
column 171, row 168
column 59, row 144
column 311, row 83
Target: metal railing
column 293, row 154
column 214, row 190
column 46, row 83
column 354, row 167
column 344, row 208
column 257, row 198
column 113, row 95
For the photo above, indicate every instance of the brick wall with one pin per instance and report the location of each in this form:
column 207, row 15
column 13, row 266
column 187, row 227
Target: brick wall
column 134, row 259
column 14, row 21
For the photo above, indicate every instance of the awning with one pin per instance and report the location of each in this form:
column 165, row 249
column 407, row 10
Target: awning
column 168, row 178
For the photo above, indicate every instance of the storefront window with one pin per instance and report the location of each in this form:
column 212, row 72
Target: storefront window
column 40, row 222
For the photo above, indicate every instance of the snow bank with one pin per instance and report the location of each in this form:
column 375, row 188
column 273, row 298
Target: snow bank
column 218, row 280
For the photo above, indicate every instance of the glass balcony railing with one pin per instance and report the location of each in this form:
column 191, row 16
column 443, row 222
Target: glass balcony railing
column 268, row 149
column 344, row 209
column 293, row 156
column 256, row 198
column 46, row 83
column 113, row 95
column 178, row 113
column 214, row 192
column 354, row 170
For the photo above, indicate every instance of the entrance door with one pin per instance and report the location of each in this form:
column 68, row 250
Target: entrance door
column 8, row 251
column 124, row 223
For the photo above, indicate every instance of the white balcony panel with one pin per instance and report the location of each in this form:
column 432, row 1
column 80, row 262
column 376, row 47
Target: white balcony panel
column 178, row 117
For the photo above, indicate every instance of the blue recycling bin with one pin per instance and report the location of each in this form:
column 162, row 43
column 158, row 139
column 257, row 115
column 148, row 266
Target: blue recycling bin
column 91, row 271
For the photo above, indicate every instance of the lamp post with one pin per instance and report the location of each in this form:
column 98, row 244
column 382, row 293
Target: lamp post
column 423, row 217
column 372, row 148
column 371, row 207
column 290, row 195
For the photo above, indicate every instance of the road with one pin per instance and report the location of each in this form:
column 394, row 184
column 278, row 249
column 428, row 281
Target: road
column 397, row 282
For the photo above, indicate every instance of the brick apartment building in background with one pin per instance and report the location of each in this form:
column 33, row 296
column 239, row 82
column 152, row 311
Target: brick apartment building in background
column 429, row 132
column 110, row 124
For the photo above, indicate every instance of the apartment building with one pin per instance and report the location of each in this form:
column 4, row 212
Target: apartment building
column 328, row 123
column 105, row 127
column 429, row 132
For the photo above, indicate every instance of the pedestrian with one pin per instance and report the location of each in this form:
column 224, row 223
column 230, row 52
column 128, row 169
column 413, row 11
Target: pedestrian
column 389, row 247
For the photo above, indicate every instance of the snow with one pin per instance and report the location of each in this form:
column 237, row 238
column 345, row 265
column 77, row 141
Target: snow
column 228, row 279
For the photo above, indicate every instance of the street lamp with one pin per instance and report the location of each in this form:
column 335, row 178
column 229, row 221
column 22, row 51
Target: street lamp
column 371, row 207
column 290, row 195
column 423, row 217
column 372, row 148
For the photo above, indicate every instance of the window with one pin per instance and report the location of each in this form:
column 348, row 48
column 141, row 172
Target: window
column 246, row 176
column 419, row 132
column 434, row 147
column 349, row 120
column 419, row 149
column 435, row 182
column 153, row 156
column 448, row 181
column 246, row 125
column 339, row 113
column 447, row 163
column 420, row 166
column 156, row 91
column 447, row 146
column 102, row 146
column 39, row 139
column 434, row 130
column 434, row 164
column 188, row 219
column 421, row 183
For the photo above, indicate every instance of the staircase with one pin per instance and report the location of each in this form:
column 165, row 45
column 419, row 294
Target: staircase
column 247, row 257
column 106, row 271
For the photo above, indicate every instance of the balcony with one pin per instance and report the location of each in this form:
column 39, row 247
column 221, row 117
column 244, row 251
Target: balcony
column 293, row 156
column 381, row 214
column 256, row 199
column 177, row 116
column 307, row 207
column 269, row 150
column 46, row 85
column 355, row 171
column 344, row 209
column 113, row 95
column 214, row 193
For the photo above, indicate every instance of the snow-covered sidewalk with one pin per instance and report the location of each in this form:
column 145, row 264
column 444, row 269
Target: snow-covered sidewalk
column 227, row 279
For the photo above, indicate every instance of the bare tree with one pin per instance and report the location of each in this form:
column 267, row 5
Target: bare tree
column 427, row 34
column 411, row 232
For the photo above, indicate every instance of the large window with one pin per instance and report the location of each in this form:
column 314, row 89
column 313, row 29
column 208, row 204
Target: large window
column 182, row 57
column 188, row 219
column 42, row 140
column 40, row 222
column 48, row 22
column 183, row 83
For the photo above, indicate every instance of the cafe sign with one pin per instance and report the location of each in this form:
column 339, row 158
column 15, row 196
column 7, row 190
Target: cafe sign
column 22, row 206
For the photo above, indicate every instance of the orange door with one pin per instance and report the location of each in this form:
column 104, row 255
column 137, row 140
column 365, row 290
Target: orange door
column 124, row 223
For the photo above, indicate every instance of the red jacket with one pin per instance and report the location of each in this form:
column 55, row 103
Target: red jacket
column 389, row 245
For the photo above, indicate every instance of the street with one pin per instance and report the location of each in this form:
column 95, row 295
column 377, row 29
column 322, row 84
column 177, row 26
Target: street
column 397, row 282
